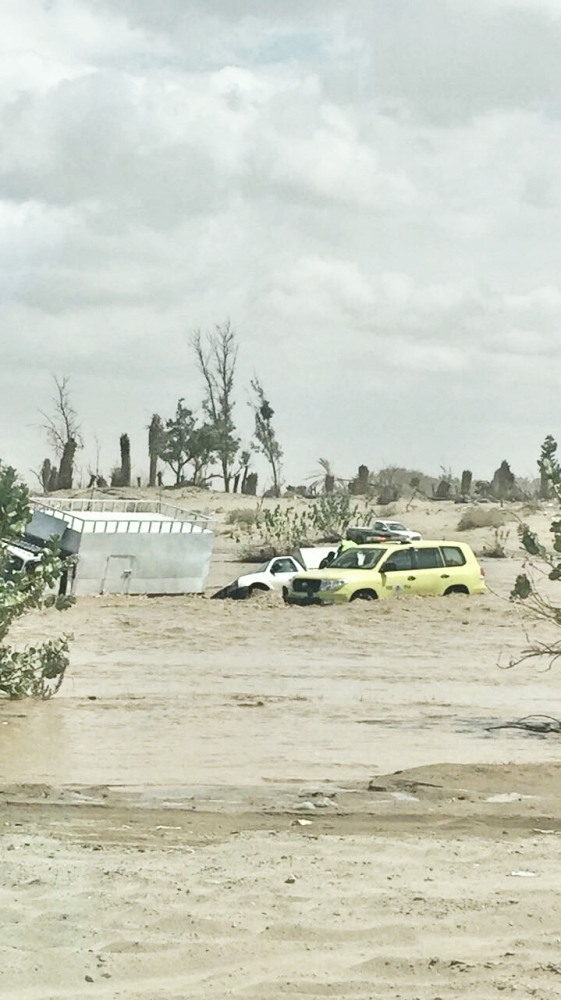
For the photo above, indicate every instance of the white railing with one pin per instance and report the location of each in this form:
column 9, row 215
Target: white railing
column 172, row 520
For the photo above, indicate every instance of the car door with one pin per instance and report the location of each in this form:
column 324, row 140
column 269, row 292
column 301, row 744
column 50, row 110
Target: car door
column 282, row 570
column 429, row 567
column 398, row 571
column 454, row 570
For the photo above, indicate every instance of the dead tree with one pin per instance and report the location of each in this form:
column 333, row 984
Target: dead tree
column 63, row 432
column 125, row 446
column 46, row 470
column 66, row 470
column 155, row 432
column 465, row 486
column 216, row 359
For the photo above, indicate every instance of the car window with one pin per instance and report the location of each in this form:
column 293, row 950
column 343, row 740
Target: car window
column 428, row 558
column 396, row 526
column 453, row 556
column 358, row 559
column 283, row 566
column 380, row 526
column 398, row 559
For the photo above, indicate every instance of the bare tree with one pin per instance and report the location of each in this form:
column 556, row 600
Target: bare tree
column 265, row 436
column 217, row 356
column 63, row 431
column 62, row 424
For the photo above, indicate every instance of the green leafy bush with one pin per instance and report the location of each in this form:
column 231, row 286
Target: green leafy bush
column 36, row 671
column 285, row 527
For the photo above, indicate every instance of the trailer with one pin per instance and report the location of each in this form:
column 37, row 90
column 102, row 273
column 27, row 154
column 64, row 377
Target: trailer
column 126, row 546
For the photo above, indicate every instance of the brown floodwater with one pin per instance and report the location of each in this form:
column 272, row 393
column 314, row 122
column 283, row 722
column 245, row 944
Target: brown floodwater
column 187, row 691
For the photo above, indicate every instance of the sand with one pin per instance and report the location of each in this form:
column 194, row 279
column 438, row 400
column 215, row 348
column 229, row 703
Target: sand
column 247, row 800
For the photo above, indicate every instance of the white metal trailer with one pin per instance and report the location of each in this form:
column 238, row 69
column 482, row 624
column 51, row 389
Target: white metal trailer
column 128, row 546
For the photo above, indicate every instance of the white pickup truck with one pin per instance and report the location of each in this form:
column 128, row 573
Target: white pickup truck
column 275, row 573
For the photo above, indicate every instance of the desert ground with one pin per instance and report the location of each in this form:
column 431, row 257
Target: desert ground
column 243, row 799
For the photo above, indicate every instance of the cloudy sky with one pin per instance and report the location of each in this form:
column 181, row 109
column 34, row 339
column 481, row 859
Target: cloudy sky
column 369, row 190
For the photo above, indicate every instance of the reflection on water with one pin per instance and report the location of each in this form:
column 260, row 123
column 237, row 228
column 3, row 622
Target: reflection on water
column 238, row 718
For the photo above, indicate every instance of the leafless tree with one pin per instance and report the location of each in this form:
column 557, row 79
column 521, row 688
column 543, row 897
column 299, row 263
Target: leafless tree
column 217, row 356
column 63, row 431
column 62, row 424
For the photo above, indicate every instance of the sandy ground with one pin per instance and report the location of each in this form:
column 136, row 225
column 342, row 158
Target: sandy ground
column 248, row 800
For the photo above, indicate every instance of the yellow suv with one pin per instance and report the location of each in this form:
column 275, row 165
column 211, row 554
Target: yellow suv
column 368, row 572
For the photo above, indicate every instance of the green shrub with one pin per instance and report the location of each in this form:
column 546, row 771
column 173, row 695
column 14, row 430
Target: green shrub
column 37, row 671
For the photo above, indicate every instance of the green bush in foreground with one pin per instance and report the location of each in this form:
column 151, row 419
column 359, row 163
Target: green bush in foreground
column 548, row 559
column 38, row 670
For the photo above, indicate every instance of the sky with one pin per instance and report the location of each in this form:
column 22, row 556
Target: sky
column 369, row 191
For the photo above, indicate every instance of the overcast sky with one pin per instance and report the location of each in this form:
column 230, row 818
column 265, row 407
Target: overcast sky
column 370, row 190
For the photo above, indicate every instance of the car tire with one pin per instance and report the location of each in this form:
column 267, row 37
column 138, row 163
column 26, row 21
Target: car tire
column 364, row 595
column 258, row 588
column 458, row 589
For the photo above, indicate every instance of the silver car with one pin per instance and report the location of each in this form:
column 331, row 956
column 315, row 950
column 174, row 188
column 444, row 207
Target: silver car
column 383, row 529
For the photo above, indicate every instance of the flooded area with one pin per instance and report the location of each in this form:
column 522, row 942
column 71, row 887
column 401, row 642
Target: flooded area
column 216, row 780
column 185, row 691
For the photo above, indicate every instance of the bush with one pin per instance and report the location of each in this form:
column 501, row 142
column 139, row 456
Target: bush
column 285, row 528
column 243, row 515
column 496, row 549
column 37, row 671
column 487, row 517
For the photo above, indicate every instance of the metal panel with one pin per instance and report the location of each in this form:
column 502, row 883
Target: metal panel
column 118, row 574
column 163, row 563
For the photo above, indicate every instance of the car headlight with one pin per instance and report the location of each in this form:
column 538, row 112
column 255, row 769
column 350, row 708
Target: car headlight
column 332, row 584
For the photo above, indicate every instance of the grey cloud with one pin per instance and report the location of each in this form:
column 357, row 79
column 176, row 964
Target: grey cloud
column 368, row 191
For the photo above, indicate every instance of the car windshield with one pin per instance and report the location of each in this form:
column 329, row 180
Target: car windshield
column 263, row 568
column 358, row 559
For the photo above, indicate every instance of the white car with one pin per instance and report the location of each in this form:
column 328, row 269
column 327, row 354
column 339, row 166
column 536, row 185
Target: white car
column 275, row 573
column 22, row 556
column 388, row 529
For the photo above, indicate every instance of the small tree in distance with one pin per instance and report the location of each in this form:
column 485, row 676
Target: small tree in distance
column 121, row 475
column 63, row 433
column 217, row 357
column 38, row 670
column 183, row 443
column 155, row 432
column 547, row 454
column 265, row 436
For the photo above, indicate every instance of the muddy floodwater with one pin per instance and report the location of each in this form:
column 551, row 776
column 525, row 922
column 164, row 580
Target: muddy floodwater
column 245, row 799
column 184, row 691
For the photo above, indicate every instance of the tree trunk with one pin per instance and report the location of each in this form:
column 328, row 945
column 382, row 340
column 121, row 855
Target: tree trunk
column 153, row 469
column 125, row 445
column 155, row 432
column 226, row 476
column 66, row 471
column 46, row 472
